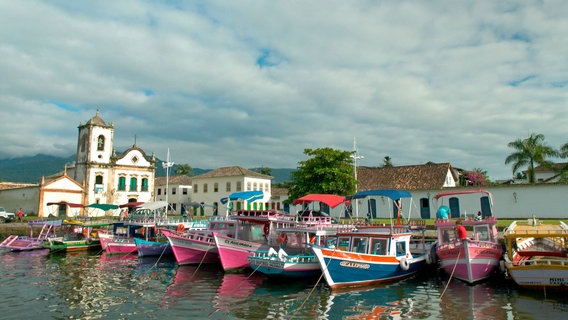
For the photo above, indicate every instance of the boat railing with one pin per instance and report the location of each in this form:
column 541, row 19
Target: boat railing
column 527, row 261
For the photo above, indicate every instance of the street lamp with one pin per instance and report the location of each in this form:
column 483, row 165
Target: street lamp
column 355, row 157
column 167, row 165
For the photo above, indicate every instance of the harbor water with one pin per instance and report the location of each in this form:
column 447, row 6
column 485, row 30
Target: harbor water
column 91, row 285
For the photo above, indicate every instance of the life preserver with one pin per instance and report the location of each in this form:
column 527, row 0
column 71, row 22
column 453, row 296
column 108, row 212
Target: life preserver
column 143, row 231
column 155, row 230
column 283, row 238
column 180, row 228
column 313, row 240
column 266, row 229
column 404, row 264
column 85, row 231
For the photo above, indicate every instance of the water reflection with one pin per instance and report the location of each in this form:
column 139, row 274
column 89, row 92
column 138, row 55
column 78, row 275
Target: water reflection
column 98, row 286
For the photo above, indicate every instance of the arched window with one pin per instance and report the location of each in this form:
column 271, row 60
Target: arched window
column 121, row 184
column 99, row 180
column 133, row 184
column 144, row 184
column 101, row 143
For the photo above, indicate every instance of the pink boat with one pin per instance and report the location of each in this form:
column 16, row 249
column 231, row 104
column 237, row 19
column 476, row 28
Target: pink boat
column 256, row 230
column 121, row 239
column 198, row 246
column 474, row 258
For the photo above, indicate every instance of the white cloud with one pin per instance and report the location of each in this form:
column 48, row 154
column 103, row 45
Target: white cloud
column 254, row 83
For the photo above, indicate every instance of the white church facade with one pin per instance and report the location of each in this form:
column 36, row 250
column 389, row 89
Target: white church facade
column 102, row 175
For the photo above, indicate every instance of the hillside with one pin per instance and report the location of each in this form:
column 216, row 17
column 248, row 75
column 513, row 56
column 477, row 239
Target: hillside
column 31, row 169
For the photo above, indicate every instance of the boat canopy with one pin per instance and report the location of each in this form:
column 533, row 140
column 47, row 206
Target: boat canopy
column 131, row 204
column 102, row 206
column 391, row 193
column 153, row 205
column 330, row 199
column 460, row 192
column 63, row 203
column 248, row 196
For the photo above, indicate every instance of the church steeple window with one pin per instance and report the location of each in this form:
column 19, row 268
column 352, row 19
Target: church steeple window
column 101, row 143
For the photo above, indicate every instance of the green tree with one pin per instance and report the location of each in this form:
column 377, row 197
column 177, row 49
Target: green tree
column 563, row 153
column 264, row 170
column 328, row 171
column 530, row 152
column 387, row 162
column 184, row 170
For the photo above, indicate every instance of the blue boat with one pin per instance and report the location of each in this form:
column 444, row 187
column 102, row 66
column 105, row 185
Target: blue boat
column 373, row 254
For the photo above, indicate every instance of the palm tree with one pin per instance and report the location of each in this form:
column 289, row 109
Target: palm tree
column 530, row 151
column 184, row 170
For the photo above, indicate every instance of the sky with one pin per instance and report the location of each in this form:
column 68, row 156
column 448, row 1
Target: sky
column 254, row 83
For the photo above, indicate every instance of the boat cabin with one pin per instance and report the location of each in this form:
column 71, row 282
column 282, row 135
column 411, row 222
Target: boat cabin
column 376, row 241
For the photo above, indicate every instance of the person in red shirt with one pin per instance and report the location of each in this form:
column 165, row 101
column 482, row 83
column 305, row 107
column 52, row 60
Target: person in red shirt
column 462, row 233
column 20, row 215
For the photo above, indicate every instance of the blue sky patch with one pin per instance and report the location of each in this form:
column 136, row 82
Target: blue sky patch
column 64, row 106
column 516, row 83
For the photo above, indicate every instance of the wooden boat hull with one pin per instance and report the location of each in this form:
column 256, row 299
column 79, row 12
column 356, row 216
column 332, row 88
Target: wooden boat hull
column 153, row 248
column 537, row 254
column 192, row 247
column 21, row 243
column 121, row 246
column 233, row 253
column 343, row 269
column 470, row 261
column 290, row 266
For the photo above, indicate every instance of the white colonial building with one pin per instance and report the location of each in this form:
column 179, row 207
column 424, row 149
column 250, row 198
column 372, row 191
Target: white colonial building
column 176, row 191
column 210, row 187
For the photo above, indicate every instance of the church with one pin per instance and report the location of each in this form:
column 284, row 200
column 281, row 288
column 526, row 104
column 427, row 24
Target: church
column 98, row 176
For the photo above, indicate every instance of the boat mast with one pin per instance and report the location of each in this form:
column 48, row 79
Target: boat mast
column 355, row 156
column 167, row 165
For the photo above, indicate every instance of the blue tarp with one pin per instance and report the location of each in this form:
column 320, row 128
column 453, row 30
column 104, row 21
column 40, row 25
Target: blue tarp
column 391, row 193
column 248, row 196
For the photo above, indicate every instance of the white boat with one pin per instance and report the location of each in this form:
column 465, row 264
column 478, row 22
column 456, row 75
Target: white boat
column 537, row 254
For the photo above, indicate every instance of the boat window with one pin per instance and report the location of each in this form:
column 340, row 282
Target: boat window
column 360, row 245
column 400, row 248
column 379, row 246
column 481, row 233
column 343, row 243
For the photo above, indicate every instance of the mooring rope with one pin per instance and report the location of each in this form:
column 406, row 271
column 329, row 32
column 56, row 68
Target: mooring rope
column 452, row 274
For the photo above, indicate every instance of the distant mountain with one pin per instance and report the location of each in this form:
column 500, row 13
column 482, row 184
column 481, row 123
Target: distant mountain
column 31, row 169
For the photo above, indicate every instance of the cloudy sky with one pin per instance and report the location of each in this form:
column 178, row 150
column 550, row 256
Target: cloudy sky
column 254, row 83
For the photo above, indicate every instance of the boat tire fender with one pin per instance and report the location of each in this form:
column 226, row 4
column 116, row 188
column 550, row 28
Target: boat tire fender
column 404, row 264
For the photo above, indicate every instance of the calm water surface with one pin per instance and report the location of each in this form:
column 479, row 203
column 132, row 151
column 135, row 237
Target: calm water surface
column 85, row 285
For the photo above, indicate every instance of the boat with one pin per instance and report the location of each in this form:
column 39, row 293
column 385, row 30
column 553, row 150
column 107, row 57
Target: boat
column 27, row 243
column 537, row 253
column 294, row 257
column 470, row 259
column 160, row 245
column 198, row 246
column 121, row 240
column 374, row 253
column 256, row 231
column 78, row 235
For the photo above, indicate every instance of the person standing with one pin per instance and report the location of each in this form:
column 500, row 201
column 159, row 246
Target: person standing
column 462, row 232
column 20, row 215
